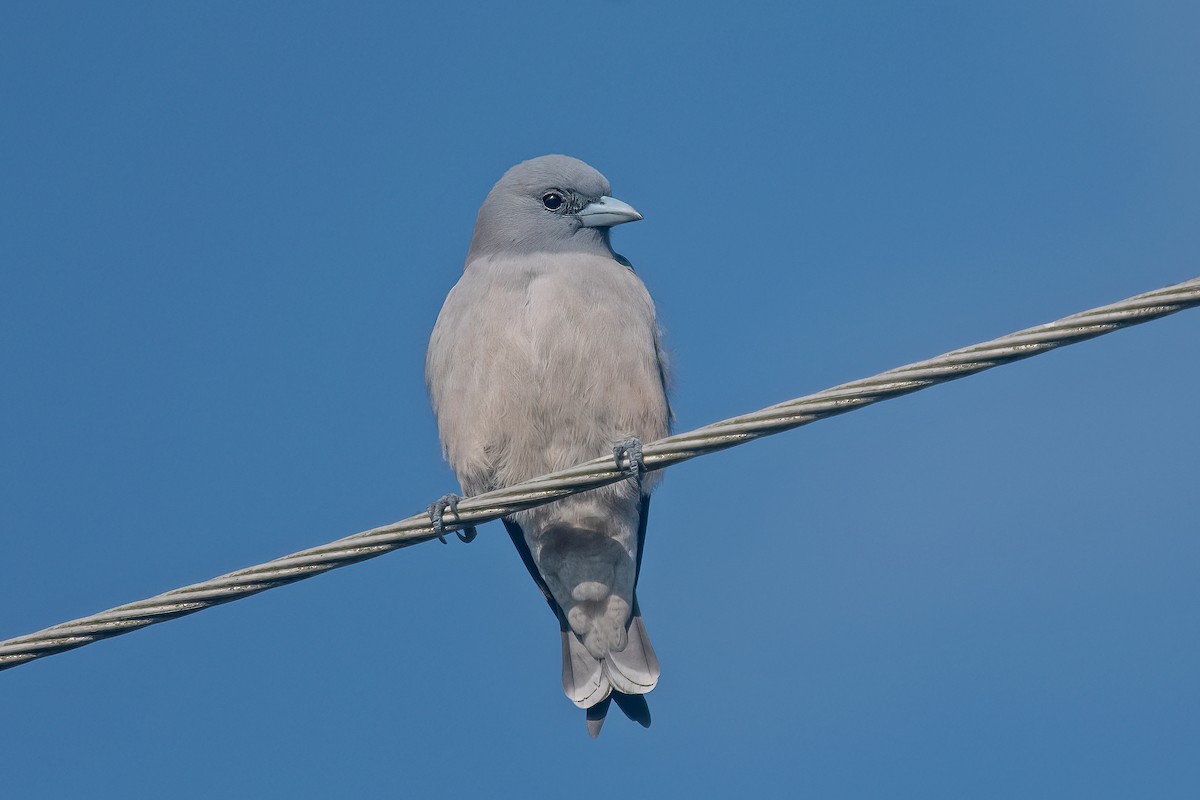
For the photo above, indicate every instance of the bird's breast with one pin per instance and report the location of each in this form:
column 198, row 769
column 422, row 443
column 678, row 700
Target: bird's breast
column 560, row 354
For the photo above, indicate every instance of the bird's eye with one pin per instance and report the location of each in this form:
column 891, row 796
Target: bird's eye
column 552, row 200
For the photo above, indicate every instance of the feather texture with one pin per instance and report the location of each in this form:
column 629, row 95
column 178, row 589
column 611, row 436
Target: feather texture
column 542, row 357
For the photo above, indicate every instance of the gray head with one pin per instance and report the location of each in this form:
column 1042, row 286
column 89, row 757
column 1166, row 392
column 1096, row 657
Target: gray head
column 554, row 204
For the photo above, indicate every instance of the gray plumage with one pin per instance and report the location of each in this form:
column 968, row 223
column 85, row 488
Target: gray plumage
column 545, row 354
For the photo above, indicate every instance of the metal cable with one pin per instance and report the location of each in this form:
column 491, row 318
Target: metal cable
column 602, row 471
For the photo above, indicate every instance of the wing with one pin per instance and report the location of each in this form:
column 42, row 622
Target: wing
column 517, row 534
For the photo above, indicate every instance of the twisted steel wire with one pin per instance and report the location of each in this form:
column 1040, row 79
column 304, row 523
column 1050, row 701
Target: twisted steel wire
column 602, row 471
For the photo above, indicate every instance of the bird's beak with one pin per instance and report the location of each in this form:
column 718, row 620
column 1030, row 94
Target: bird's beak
column 606, row 212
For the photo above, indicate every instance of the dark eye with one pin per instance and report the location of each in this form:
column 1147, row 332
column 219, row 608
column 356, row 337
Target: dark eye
column 552, row 200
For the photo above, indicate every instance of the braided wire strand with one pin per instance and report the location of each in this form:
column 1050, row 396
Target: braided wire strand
column 602, row 471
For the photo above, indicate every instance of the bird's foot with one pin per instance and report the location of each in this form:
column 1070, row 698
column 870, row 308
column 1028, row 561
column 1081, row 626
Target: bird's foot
column 437, row 511
column 628, row 455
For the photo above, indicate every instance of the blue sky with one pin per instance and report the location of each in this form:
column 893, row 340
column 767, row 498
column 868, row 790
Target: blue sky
column 226, row 230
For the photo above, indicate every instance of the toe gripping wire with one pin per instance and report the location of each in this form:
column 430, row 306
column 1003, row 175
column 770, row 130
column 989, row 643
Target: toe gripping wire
column 437, row 511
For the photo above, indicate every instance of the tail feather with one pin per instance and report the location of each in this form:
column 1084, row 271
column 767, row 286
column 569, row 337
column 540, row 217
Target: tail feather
column 634, row 706
column 596, row 715
column 583, row 677
column 623, row 676
column 635, row 669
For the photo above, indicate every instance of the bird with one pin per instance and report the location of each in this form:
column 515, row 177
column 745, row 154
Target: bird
column 546, row 353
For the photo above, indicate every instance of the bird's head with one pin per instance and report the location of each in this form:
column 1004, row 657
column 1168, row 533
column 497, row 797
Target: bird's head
column 554, row 204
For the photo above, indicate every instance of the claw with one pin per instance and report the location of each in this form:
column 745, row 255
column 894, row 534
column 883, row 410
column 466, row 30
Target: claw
column 630, row 451
column 437, row 511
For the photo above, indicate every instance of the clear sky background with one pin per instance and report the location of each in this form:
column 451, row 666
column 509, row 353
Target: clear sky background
column 226, row 230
